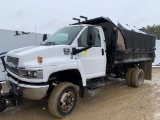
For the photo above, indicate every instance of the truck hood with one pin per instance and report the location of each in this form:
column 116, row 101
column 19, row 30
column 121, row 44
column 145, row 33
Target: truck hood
column 28, row 55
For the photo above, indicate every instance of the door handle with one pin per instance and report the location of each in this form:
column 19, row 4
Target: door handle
column 102, row 51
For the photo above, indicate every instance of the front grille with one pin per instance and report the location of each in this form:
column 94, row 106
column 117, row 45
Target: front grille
column 14, row 70
column 12, row 60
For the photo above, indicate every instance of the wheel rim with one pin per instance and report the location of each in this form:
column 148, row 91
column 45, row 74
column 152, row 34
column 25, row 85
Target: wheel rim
column 140, row 78
column 67, row 100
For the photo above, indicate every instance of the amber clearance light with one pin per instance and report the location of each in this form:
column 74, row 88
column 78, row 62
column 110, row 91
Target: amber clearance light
column 115, row 28
column 39, row 59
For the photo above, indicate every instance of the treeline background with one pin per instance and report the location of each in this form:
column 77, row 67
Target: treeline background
column 155, row 30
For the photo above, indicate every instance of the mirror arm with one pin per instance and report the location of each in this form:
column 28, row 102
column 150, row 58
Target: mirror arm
column 76, row 51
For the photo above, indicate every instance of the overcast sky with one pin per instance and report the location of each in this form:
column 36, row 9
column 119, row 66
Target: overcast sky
column 49, row 15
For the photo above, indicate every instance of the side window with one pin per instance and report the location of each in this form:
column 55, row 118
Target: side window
column 82, row 41
column 97, row 39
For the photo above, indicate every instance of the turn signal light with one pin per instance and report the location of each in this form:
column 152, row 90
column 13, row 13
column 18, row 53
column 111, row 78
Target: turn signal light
column 39, row 59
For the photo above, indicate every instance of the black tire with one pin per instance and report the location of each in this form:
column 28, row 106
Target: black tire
column 2, row 105
column 128, row 76
column 63, row 99
column 137, row 78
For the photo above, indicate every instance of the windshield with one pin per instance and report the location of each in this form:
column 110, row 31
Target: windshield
column 64, row 36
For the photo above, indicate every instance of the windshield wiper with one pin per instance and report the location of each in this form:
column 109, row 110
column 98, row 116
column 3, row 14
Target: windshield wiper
column 49, row 43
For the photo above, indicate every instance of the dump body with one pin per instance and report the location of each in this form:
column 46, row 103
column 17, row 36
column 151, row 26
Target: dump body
column 138, row 47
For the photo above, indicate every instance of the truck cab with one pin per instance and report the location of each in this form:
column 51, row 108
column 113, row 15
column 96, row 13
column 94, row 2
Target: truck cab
column 35, row 64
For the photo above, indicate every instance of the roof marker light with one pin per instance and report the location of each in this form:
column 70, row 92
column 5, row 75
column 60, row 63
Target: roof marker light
column 115, row 28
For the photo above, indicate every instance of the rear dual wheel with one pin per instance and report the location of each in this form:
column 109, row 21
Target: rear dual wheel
column 135, row 77
column 128, row 76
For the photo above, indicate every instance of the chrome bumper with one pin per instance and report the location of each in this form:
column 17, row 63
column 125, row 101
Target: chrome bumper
column 32, row 92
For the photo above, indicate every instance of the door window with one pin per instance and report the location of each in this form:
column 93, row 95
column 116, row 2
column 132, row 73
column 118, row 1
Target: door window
column 82, row 41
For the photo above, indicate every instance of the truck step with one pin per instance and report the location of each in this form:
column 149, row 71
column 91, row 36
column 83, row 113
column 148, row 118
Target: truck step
column 96, row 83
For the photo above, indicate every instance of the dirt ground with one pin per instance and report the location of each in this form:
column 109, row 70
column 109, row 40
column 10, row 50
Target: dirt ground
column 115, row 101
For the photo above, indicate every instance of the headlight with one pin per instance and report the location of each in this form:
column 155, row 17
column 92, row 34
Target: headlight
column 35, row 74
column 31, row 73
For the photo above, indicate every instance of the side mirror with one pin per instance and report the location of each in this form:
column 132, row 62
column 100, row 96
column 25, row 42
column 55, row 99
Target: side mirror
column 44, row 37
column 91, row 36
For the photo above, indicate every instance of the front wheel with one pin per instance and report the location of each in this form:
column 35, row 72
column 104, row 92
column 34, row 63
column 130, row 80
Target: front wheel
column 63, row 99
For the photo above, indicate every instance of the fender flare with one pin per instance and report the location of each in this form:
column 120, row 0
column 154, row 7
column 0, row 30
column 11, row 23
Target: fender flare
column 57, row 68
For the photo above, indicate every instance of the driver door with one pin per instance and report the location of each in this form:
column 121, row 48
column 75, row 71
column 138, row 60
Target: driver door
column 93, row 59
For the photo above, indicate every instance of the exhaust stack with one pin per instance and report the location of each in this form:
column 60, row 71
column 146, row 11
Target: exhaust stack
column 84, row 17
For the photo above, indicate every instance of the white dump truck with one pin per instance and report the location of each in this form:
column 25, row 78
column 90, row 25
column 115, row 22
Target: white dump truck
column 74, row 59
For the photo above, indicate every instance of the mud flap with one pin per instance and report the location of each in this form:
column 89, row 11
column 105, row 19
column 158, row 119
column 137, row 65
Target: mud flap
column 85, row 93
column 147, row 68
